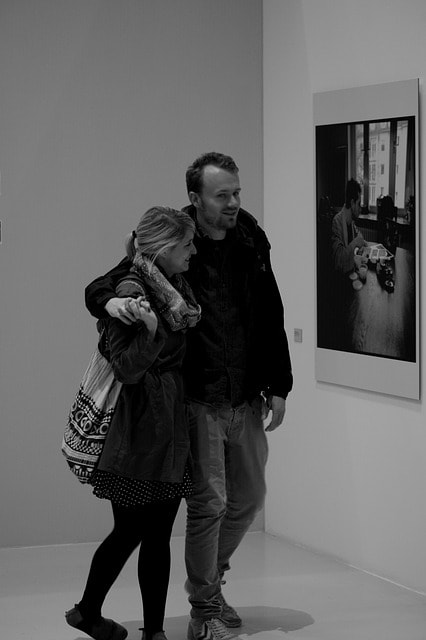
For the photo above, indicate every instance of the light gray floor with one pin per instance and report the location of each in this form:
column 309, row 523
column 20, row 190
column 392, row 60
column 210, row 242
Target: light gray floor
column 281, row 591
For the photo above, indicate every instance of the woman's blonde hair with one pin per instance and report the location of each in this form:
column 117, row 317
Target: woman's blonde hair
column 159, row 228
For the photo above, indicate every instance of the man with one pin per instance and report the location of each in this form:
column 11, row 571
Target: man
column 236, row 369
column 345, row 237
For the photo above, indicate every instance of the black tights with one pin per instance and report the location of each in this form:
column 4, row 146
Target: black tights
column 149, row 526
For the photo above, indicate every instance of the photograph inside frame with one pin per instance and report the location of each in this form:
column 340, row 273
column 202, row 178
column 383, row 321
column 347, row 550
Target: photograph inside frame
column 366, row 247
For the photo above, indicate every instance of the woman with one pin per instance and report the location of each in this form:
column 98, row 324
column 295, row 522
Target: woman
column 143, row 469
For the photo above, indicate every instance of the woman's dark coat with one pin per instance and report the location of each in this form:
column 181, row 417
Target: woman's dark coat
column 148, row 437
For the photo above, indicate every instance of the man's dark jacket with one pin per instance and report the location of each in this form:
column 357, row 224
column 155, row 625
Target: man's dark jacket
column 239, row 348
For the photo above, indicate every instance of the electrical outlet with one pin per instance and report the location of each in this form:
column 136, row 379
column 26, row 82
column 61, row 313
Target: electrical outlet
column 298, row 335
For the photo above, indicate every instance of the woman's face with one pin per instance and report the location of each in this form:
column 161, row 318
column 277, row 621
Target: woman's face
column 176, row 260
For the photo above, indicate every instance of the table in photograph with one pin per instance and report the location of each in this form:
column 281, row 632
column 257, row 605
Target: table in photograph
column 381, row 322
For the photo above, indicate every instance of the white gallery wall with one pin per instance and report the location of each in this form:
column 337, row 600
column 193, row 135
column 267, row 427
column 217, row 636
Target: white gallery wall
column 347, row 473
column 103, row 105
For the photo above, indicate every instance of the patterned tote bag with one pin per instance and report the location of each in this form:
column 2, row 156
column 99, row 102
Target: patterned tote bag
column 90, row 417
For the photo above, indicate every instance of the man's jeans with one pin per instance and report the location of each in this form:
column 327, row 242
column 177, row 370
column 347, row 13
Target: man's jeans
column 230, row 450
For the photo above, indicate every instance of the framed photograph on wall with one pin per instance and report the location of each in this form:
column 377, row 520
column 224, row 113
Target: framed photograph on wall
column 367, row 238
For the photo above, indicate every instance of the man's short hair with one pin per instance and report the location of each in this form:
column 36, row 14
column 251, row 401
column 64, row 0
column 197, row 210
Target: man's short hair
column 353, row 190
column 194, row 173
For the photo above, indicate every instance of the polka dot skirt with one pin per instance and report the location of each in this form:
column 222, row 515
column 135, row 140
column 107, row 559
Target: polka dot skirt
column 129, row 492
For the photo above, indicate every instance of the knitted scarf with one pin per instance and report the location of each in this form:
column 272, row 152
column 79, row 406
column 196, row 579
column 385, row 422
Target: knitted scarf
column 174, row 299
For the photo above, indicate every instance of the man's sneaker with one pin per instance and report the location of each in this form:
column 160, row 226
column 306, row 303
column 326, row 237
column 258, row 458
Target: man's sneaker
column 103, row 629
column 229, row 616
column 213, row 629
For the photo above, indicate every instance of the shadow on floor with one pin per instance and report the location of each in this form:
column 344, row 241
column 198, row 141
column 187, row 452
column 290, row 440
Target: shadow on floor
column 260, row 623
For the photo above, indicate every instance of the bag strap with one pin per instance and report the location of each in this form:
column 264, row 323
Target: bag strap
column 103, row 342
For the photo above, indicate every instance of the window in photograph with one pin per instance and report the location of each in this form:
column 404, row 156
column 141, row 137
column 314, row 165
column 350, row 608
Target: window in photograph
column 380, row 163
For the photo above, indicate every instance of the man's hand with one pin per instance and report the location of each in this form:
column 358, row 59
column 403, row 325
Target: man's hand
column 358, row 242
column 141, row 310
column 123, row 308
column 359, row 260
column 277, row 405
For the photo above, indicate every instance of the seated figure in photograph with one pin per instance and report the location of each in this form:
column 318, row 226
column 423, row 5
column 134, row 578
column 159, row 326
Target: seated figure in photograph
column 345, row 236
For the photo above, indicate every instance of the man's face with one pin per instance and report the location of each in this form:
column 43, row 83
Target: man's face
column 356, row 208
column 219, row 201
